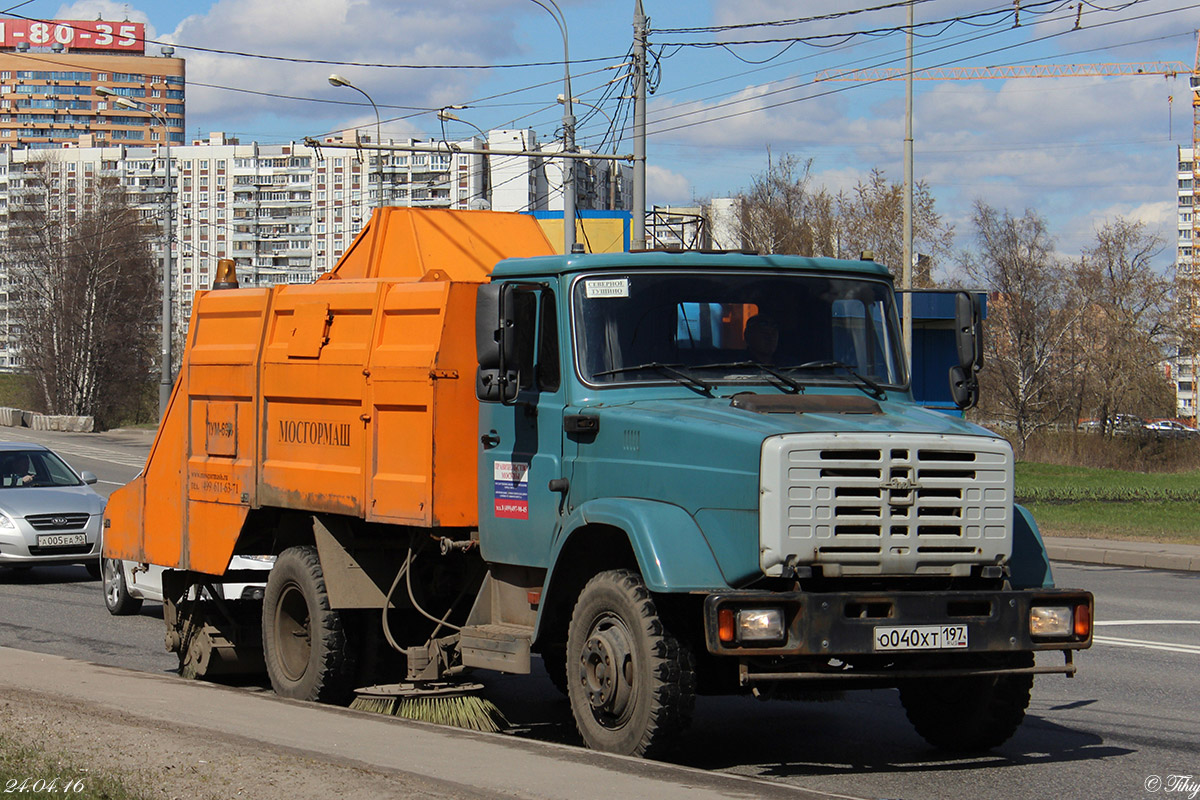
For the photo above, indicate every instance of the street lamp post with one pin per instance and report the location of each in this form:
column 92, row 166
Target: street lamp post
column 444, row 115
column 568, row 122
column 165, row 378
column 338, row 80
column 612, row 169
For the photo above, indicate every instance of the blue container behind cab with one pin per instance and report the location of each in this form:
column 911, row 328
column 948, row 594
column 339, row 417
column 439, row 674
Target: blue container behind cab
column 933, row 347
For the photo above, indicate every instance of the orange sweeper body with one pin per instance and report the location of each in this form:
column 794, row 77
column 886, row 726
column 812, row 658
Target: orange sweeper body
column 374, row 363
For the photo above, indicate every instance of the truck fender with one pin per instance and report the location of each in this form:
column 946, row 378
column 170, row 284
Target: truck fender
column 1030, row 564
column 671, row 551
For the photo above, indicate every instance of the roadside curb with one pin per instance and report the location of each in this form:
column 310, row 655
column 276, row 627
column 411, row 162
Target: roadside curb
column 1146, row 555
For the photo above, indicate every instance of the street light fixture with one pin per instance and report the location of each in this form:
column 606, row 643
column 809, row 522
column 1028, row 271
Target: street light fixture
column 338, row 80
column 612, row 167
column 445, row 115
column 568, row 122
column 165, row 379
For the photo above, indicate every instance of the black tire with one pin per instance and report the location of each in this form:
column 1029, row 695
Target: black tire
column 117, row 599
column 305, row 646
column 642, row 708
column 968, row 715
column 93, row 568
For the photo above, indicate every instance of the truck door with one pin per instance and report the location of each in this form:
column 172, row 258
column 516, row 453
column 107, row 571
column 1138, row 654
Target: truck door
column 522, row 442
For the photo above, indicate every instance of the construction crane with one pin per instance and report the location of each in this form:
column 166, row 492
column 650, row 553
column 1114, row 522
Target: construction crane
column 1167, row 69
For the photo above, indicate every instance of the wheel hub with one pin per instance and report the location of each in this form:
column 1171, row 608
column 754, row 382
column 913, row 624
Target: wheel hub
column 293, row 632
column 606, row 668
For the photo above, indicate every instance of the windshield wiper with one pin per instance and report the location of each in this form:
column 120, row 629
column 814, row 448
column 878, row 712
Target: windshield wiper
column 673, row 370
column 767, row 368
column 868, row 384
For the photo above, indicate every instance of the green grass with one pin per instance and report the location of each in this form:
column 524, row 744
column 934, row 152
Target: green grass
column 1052, row 482
column 24, row 769
column 1112, row 504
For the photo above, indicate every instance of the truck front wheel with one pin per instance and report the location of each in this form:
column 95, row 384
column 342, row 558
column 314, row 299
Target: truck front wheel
column 631, row 682
column 304, row 642
column 968, row 714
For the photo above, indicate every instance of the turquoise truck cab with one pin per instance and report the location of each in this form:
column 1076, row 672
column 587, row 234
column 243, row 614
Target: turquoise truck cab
column 707, row 473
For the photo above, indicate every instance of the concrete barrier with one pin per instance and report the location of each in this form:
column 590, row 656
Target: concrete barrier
column 61, row 422
column 11, row 417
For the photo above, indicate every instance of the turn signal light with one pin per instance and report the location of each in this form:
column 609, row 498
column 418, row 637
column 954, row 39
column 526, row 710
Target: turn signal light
column 1083, row 621
column 725, row 625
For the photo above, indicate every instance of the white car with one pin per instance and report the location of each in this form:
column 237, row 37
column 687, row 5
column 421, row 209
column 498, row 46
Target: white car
column 127, row 584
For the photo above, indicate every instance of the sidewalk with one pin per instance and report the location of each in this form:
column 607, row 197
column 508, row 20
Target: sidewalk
column 1150, row 555
column 442, row 761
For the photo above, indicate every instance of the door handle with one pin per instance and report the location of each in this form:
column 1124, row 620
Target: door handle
column 489, row 440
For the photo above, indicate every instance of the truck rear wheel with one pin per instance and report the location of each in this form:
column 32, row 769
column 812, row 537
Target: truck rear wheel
column 305, row 645
column 968, row 714
column 631, row 683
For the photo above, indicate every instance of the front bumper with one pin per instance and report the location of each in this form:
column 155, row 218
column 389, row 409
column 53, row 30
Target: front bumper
column 842, row 628
column 19, row 546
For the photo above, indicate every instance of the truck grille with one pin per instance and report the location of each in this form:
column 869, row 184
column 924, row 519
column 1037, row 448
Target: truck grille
column 57, row 522
column 885, row 504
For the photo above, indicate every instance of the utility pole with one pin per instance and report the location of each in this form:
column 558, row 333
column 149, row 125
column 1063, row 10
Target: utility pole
column 640, row 23
column 906, row 271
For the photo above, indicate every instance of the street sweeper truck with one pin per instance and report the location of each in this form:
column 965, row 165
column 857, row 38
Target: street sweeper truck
column 665, row 474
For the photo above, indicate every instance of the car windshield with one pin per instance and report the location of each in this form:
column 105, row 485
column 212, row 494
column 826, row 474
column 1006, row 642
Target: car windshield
column 773, row 328
column 33, row 468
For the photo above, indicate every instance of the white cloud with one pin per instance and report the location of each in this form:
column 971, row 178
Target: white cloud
column 664, row 187
column 374, row 32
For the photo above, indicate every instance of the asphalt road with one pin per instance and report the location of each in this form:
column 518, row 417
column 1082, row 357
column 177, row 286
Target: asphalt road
column 1130, row 716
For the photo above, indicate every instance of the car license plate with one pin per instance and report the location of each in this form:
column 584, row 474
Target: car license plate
column 62, row 539
column 921, row 637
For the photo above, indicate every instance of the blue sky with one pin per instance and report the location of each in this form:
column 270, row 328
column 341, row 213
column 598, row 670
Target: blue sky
column 1077, row 150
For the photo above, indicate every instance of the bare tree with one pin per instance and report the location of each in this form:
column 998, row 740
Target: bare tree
column 85, row 295
column 871, row 217
column 1030, row 318
column 782, row 214
column 1129, row 321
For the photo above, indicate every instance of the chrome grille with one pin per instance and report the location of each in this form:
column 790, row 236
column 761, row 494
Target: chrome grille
column 884, row 504
column 57, row 522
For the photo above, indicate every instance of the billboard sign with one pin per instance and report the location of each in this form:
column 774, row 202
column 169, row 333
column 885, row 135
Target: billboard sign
column 125, row 37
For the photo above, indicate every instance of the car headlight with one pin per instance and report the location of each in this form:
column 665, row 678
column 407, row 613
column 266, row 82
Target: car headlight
column 1051, row 621
column 6, row 521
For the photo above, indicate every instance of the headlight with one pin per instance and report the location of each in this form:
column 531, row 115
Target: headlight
column 6, row 521
column 760, row 625
column 1051, row 621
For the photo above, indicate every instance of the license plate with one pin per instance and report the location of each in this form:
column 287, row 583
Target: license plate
column 62, row 539
column 921, row 637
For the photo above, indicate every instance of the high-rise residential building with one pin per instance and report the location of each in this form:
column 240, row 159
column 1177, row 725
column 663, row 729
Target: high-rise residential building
column 49, row 74
column 1183, row 368
column 285, row 213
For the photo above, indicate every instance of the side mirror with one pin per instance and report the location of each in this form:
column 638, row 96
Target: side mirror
column 968, row 331
column 968, row 335
column 88, row 477
column 495, row 344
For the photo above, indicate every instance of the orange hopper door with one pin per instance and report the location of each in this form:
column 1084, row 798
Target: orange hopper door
column 353, row 395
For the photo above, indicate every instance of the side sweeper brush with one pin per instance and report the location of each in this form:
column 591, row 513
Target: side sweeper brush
column 439, row 702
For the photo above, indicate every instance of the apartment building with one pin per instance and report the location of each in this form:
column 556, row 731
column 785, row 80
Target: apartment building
column 50, row 74
column 1182, row 368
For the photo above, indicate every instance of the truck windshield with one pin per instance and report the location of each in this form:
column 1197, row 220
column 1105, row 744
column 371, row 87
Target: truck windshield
column 772, row 328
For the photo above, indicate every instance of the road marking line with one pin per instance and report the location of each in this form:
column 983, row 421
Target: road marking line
column 1146, row 645
column 1148, row 622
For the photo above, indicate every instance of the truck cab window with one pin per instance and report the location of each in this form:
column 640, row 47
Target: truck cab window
column 537, row 339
